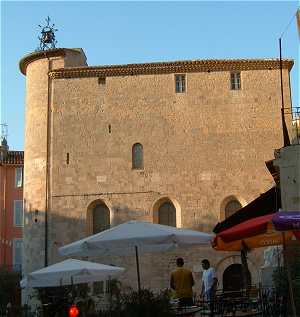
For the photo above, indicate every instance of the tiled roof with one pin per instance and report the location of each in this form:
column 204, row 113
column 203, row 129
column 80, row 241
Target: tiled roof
column 13, row 158
column 187, row 66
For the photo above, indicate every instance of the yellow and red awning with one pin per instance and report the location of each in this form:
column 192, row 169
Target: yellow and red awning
column 254, row 233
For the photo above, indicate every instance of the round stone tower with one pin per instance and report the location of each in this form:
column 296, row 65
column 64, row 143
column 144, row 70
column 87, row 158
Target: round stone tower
column 37, row 162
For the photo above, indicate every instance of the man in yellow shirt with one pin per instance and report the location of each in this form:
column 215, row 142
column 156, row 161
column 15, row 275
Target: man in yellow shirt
column 182, row 283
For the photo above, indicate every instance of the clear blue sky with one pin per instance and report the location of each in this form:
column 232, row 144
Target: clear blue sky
column 133, row 32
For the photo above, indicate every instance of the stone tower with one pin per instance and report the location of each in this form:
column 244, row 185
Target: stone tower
column 38, row 131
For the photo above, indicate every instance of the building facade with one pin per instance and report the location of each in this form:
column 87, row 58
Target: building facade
column 181, row 143
column 11, row 207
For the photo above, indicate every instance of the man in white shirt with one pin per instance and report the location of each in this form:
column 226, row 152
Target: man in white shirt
column 209, row 281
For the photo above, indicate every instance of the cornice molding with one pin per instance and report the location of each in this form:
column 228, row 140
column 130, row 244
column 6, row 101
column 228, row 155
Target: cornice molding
column 13, row 158
column 170, row 67
column 29, row 58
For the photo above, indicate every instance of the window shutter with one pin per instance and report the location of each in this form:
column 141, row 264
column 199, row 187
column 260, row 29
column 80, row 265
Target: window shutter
column 18, row 213
column 17, row 253
column 19, row 177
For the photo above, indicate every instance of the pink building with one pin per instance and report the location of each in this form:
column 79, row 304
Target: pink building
column 11, row 207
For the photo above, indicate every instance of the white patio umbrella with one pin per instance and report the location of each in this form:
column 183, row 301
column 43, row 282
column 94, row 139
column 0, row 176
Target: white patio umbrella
column 70, row 272
column 135, row 237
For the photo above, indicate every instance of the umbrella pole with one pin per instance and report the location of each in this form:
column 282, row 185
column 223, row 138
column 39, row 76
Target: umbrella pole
column 72, row 289
column 289, row 277
column 245, row 268
column 110, row 296
column 138, row 268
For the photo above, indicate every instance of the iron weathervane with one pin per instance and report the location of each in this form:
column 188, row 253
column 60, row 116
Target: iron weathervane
column 47, row 38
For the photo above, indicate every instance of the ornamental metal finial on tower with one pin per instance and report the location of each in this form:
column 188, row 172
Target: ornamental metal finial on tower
column 3, row 142
column 3, row 131
column 47, row 38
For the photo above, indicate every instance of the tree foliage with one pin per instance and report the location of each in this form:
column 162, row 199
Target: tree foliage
column 146, row 304
column 9, row 286
column 280, row 277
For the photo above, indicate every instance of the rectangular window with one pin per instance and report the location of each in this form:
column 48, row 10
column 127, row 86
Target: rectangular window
column 17, row 254
column 180, row 83
column 18, row 213
column 235, row 80
column 101, row 80
column 19, row 177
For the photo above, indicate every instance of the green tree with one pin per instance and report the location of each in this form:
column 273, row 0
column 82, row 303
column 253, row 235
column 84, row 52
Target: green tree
column 9, row 286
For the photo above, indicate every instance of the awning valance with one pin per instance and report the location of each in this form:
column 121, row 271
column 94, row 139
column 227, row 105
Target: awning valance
column 267, row 203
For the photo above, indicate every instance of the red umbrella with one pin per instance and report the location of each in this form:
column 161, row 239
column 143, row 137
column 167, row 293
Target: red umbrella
column 259, row 232
column 254, row 233
column 247, row 229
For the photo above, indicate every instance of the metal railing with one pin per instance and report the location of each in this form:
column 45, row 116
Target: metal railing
column 20, row 312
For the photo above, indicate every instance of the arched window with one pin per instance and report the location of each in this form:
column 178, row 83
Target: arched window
column 167, row 214
column 231, row 207
column 100, row 218
column 137, row 156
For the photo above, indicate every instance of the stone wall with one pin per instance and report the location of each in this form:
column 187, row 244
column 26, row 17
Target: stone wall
column 155, row 269
column 200, row 147
column 287, row 159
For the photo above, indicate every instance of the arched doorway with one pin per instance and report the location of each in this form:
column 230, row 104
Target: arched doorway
column 233, row 278
column 167, row 214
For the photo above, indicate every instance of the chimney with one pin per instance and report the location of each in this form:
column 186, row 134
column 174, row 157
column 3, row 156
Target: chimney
column 3, row 149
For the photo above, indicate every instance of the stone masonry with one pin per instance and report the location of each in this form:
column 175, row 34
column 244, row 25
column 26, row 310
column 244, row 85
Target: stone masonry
column 200, row 148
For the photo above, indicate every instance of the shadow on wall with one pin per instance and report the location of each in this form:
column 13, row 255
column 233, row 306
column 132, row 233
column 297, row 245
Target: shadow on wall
column 63, row 229
column 155, row 269
column 124, row 213
column 204, row 223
